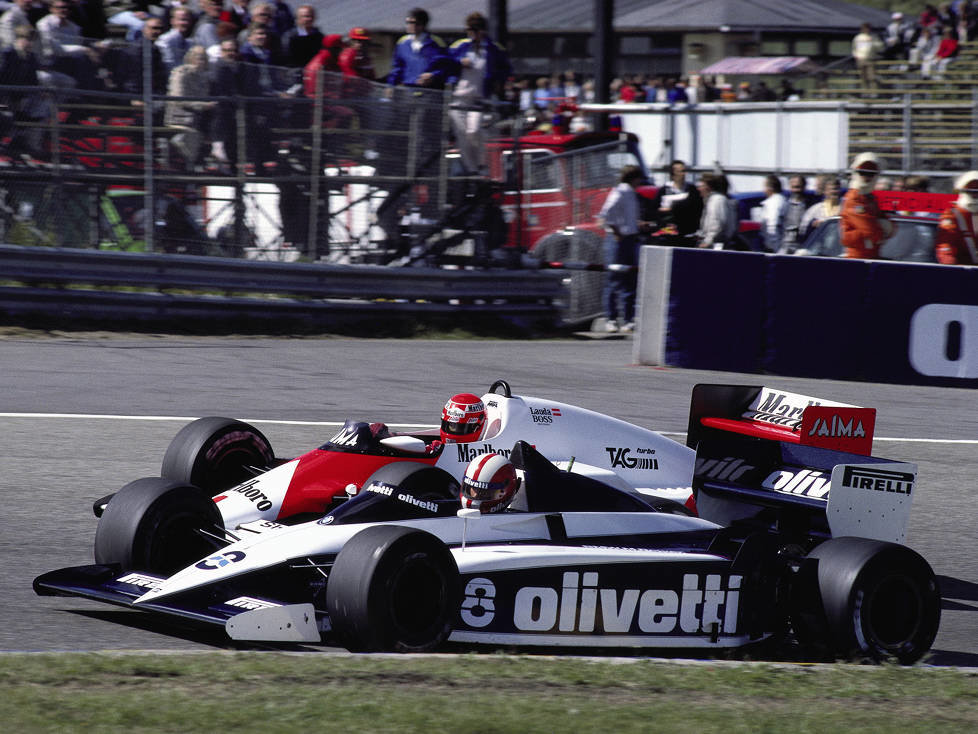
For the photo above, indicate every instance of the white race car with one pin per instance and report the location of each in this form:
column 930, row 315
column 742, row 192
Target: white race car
column 795, row 542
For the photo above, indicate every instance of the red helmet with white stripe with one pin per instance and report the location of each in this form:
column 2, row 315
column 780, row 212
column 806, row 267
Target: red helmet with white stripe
column 463, row 418
column 489, row 484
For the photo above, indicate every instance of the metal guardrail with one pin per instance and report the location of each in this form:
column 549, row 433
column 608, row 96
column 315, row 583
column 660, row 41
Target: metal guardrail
column 70, row 286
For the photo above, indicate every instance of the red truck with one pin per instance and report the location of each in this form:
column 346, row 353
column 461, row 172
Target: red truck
column 552, row 180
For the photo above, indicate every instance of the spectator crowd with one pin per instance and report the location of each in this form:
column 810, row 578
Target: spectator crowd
column 927, row 44
column 264, row 49
column 204, row 53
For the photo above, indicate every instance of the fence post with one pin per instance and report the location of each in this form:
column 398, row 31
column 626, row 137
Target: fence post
column 149, row 199
column 518, row 177
column 907, row 133
column 242, row 156
column 316, row 170
column 446, row 124
column 974, row 128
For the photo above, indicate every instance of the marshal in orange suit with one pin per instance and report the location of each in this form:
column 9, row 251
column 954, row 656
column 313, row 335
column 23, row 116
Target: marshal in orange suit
column 958, row 227
column 864, row 227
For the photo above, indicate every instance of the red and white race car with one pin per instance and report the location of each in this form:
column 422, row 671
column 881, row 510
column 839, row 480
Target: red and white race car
column 224, row 471
column 227, row 470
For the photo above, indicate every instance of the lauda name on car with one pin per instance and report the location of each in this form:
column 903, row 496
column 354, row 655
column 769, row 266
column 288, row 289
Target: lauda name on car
column 544, row 416
column 602, row 603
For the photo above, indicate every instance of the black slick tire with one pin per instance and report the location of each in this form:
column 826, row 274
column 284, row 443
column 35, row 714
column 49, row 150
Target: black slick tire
column 214, row 454
column 393, row 589
column 881, row 600
column 154, row 525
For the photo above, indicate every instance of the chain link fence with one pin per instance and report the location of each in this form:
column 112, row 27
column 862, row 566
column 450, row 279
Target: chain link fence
column 227, row 158
column 224, row 158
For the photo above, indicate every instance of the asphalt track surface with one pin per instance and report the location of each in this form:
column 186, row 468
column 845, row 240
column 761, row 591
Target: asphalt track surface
column 82, row 415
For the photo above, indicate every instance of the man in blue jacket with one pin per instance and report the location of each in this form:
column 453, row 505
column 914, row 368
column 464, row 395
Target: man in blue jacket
column 420, row 68
column 483, row 68
column 420, row 59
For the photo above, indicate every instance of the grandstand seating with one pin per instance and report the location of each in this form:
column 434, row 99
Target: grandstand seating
column 939, row 132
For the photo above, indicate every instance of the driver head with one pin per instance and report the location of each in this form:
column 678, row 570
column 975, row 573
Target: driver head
column 489, row 484
column 463, row 418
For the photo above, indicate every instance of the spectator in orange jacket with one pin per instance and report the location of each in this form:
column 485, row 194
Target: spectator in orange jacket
column 864, row 227
column 958, row 227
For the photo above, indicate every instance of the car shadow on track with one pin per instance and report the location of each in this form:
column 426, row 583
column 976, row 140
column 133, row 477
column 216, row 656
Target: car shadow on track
column 209, row 635
column 957, row 595
column 953, row 591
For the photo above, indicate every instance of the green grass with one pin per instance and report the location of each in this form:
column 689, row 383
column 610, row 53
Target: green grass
column 470, row 694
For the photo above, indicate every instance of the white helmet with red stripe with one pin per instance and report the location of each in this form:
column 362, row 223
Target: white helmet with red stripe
column 463, row 418
column 967, row 188
column 489, row 484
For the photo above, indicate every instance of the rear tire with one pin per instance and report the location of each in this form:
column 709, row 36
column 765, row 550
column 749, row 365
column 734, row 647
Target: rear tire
column 881, row 600
column 215, row 453
column 153, row 525
column 393, row 588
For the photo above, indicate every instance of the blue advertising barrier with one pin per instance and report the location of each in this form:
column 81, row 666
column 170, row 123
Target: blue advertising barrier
column 827, row 318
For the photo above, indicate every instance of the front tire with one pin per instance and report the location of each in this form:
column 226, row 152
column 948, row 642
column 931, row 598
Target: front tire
column 881, row 600
column 215, row 454
column 155, row 525
column 393, row 588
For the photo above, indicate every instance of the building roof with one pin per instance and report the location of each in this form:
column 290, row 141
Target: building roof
column 630, row 15
column 748, row 15
column 760, row 65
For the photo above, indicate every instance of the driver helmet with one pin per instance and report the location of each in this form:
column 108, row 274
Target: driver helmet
column 865, row 168
column 489, row 483
column 463, row 418
column 967, row 188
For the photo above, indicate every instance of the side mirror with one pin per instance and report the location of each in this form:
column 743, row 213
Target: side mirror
column 410, row 444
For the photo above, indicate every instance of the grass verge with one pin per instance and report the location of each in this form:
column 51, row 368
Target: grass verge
column 470, row 694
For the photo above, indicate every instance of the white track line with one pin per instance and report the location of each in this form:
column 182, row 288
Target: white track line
column 101, row 416
column 187, row 419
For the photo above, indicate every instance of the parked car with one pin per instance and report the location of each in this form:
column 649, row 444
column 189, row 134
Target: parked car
column 912, row 242
column 916, row 215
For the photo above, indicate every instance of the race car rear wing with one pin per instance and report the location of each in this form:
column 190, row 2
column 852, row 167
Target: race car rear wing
column 756, row 464
column 780, row 415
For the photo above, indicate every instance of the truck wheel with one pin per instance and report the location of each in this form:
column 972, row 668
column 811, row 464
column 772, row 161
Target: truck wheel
column 881, row 600
column 584, row 287
column 215, row 453
column 393, row 588
column 154, row 525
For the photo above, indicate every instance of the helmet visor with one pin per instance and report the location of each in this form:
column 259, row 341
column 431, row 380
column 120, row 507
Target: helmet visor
column 454, row 428
column 476, row 490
